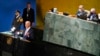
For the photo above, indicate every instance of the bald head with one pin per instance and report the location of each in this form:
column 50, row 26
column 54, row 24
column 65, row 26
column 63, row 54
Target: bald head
column 81, row 8
column 93, row 10
column 27, row 24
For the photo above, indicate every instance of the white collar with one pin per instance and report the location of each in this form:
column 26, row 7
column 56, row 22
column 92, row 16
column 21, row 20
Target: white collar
column 28, row 28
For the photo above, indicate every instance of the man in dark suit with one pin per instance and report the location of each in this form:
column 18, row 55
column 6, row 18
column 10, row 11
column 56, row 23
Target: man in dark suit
column 28, row 14
column 17, row 21
column 93, row 16
column 81, row 13
column 28, row 33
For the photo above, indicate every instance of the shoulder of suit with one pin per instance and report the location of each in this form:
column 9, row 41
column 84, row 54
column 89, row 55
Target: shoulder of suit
column 31, row 9
column 31, row 28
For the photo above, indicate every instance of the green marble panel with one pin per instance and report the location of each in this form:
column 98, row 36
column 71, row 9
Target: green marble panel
column 75, row 33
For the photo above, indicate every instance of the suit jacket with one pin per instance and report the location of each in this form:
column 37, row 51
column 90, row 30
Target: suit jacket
column 82, row 15
column 31, row 34
column 17, row 23
column 93, row 16
column 30, row 16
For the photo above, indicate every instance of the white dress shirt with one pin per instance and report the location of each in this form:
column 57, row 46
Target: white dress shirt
column 26, row 31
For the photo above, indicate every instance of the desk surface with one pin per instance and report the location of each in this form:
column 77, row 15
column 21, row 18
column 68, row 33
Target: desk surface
column 9, row 34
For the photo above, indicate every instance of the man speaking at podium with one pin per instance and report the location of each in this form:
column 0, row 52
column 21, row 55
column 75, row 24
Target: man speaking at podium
column 28, row 33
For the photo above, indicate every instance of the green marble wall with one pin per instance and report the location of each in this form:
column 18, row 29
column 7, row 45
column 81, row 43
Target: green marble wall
column 75, row 33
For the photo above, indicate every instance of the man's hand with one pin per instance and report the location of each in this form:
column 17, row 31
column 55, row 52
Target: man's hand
column 27, row 34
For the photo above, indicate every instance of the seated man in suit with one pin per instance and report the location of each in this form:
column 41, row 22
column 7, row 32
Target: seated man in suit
column 28, row 33
column 93, row 16
column 81, row 13
column 16, row 22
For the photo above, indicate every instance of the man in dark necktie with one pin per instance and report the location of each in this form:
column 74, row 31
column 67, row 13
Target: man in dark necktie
column 28, row 33
column 81, row 13
column 93, row 16
column 28, row 14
